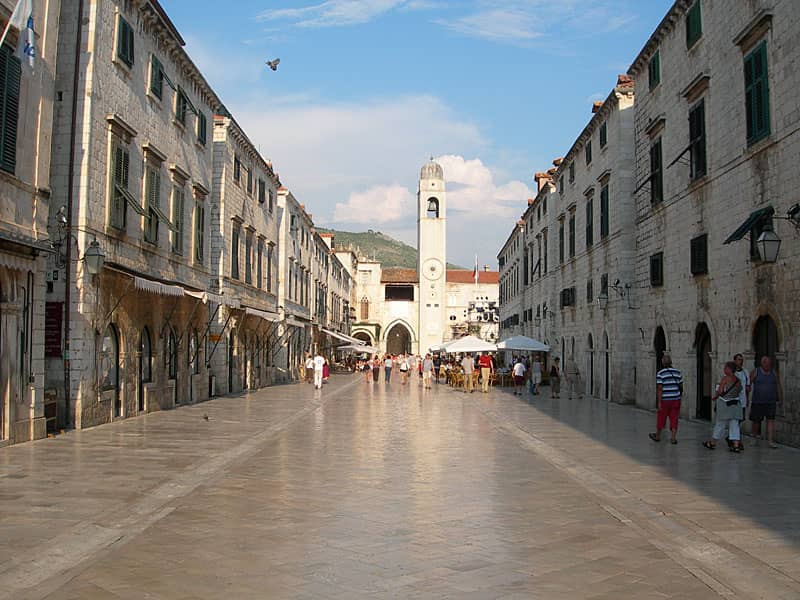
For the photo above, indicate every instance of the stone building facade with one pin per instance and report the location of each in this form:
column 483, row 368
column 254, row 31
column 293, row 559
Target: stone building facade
column 704, row 166
column 243, row 216
column 26, row 259
column 716, row 147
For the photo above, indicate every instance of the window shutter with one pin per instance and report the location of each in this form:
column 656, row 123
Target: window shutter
column 10, row 71
column 699, row 255
column 156, row 77
column 201, row 128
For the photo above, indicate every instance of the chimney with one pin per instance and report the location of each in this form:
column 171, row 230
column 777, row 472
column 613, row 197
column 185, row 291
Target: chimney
column 541, row 180
column 485, row 268
column 558, row 161
column 596, row 105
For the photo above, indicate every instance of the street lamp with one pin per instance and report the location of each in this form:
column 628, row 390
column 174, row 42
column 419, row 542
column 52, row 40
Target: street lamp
column 94, row 258
column 602, row 300
column 768, row 244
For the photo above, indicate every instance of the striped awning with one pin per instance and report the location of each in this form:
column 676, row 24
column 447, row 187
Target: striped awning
column 155, row 287
column 262, row 314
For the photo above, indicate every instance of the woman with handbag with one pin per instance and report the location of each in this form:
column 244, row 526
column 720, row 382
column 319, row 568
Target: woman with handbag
column 728, row 410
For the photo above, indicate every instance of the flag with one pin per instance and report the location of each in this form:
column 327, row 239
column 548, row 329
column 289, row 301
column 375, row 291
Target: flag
column 475, row 270
column 22, row 19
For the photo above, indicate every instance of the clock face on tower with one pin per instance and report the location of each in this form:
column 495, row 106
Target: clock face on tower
column 432, row 269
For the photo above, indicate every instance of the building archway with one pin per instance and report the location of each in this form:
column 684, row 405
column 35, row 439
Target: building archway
column 703, row 374
column 659, row 347
column 364, row 337
column 606, row 368
column 765, row 340
column 398, row 339
column 590, row 366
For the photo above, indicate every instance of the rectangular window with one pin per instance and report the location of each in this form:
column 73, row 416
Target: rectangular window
column 10, row 72
column 269, row 267
column 202, row 127
column 544, row 243
column 656, row 173
column 589, row 223
column 604, row 285
column 250, row 180
column 271, row 198
column 588, row 151
column 199, row 231
column 152, row 205
column 156, row 77
column 237, row 169
column 699, row 255
column 654, row 70
column 180, row 107
column 561, row 241
column 657, row 270
column 262, row 191
column 259, row 262
column 603, row 135
column 604, row 215
column 124, row 41
column 118, row 210
column 756, row 89
column 697, row 140
column 589, row 291
column 177, row 219
column 235, row 252
column 572, row 235
column 572, row 172
column 248, row 257
column 561, row 185
column 694, row 25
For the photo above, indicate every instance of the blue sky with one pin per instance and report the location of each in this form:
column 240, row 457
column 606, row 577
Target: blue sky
column 367, row 90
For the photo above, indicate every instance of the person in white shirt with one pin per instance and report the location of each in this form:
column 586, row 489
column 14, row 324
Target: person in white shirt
column 744, row 378
column 468, row 364
column 536, row 374
column 319, row 365
column 404, row 366
column 309, row 368
column 519, row 376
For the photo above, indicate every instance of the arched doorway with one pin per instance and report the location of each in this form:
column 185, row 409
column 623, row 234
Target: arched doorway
column 145, row 366
column 765, row 340
column 704, row 376
column 363, row 337
column 109, row 367
column 398, row 340
column 590, row 366
column 606, row 368
column 659, row 347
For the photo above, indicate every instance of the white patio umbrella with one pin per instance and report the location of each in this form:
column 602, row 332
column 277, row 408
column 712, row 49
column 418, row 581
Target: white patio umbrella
column 359, row 348
column 523, row 343
column 469, row 343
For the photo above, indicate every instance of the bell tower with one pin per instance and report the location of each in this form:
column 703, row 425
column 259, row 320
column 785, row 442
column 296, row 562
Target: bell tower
column 432, row 256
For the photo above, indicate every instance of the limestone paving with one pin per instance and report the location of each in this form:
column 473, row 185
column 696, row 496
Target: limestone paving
column 369, row 490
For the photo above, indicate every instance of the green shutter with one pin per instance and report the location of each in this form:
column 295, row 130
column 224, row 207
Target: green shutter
column 10, row 71
column 604, row 221
column 156, row 77
column 654, row 70
column 757, row 93
column 656, row 178
column 694, row 24
column 124, row 41
column 201, row 128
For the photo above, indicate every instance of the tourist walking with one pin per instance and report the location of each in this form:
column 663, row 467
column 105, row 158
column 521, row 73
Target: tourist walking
column 319, row 364
column 536, row 374
column 555, row 378
column 367, row 368
column 519, row 376
column 572, row 377
column 669, row 392
column 326, row 371
column 388, row 363
column 427, row 371
column 376, row 368
column 485, row 363
column 744, row 397
column 309, row 368
column 404, row 366
column 767, row 394
column 468, row 364
column 728, row 409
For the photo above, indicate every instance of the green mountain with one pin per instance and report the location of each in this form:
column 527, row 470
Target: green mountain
column 374, row 244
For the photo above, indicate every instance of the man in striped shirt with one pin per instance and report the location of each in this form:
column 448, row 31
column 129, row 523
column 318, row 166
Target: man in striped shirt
column 669, row 391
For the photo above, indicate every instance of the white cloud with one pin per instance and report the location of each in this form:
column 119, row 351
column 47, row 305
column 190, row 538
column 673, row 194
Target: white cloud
column 378, row 204
column 513, row 26
column 337, row 13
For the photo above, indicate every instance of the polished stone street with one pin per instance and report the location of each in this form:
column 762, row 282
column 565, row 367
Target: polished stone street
column 365, row 490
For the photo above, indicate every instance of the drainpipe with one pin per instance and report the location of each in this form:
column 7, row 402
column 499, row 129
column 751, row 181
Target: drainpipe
column 70, row 194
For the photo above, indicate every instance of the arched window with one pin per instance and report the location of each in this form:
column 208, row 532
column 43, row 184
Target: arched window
column 364, row 308
column 433, row 208
column 194, row 351
column 109, row 359
column 146, row 355
column 172, row 355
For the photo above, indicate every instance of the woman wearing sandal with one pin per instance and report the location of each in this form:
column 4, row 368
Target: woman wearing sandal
column 728, row 409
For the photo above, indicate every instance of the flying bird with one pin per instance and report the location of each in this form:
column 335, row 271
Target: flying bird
column 273, row 64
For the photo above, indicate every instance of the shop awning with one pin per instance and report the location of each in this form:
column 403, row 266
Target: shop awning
column 262, row 314
column 155, row 287
column 294, row 322
column 16, row 262
column 754, row 219
column 342, row 336
column 206, row 297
